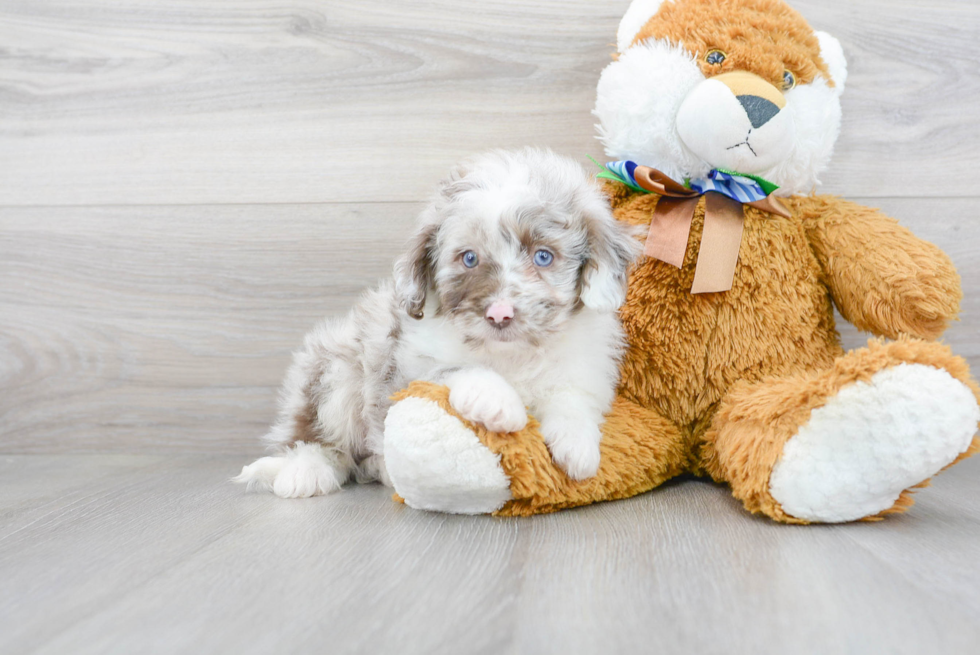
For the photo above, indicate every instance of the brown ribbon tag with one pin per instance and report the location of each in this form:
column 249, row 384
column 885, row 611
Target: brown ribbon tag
column 724, row 220
column 670, row 227
column 723, row 223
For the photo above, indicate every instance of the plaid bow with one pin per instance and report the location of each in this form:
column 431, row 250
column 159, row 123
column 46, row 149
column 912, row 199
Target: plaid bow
column 737, row 186
column 725, row 192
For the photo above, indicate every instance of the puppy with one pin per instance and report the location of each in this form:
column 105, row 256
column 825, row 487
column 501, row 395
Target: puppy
column 508, row 295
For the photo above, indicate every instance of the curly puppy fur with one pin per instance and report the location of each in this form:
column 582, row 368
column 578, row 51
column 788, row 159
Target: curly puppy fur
column 474, row 305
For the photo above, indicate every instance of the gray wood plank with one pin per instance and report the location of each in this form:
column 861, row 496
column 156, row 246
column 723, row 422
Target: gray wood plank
column 184, row 562
column 694, row 574
column 934, row 546
column 168, row 329
column 150, row 298
column 148, row 102
column 43, row 488
column 113, row 320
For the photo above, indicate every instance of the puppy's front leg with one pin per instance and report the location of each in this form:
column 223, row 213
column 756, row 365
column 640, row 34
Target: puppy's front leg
column 483, row 396
column 570, row 425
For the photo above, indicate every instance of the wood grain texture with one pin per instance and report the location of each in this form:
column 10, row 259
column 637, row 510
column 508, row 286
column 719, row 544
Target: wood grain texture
column 168, row 329
column 187, row 186
column 148, row 102
column 157, row 554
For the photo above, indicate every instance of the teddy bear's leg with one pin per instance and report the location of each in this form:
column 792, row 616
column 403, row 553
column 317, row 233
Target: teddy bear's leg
column 439, row 461
column 849, row 442
column 435, row 460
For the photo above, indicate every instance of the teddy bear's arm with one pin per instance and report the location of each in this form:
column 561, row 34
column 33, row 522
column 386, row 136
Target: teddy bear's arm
column 883, row 278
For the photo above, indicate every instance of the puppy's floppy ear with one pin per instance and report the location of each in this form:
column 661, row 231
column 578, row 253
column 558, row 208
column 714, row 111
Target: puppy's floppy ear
column 413, row 270
column 612, row 248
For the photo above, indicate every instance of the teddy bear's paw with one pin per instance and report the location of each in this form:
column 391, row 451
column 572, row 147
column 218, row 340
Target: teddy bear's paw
column 484, row 397
column 574, row 446
column 873, row 440
column 435, row 462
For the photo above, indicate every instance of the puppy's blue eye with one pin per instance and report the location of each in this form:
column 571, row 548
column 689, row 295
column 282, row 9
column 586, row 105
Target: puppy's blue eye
column 543, row 258
column 470, row 259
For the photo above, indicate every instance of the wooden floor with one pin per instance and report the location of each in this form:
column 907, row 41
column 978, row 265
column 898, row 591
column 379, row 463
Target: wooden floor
column 136, row 553
column 187, row 185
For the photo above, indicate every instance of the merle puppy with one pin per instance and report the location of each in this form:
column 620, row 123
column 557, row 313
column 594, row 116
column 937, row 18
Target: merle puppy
column 508, row 295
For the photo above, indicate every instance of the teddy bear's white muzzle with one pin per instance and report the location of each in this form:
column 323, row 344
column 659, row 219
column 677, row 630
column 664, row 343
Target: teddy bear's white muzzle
column 736, row 123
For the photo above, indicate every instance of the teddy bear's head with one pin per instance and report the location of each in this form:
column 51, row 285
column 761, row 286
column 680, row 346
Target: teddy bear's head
column 738, row 85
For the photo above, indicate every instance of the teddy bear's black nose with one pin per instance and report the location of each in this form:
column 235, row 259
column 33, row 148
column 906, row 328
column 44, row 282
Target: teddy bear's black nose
column 759, row 110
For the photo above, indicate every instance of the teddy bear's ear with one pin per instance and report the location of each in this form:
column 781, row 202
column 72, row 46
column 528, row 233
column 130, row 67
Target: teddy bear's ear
column 833, row 55
column 639, row 12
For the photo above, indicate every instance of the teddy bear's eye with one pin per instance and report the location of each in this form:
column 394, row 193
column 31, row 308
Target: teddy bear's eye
column 715, row 57
column 789, row 80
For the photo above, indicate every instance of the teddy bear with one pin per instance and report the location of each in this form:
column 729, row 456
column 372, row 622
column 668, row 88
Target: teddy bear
column 718, row 116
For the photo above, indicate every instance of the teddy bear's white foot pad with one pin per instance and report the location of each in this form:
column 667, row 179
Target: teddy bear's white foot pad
column 437, row 463
column 873, row 440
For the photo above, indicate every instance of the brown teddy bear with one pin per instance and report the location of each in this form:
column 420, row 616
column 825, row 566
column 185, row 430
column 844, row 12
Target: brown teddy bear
column 720, row 114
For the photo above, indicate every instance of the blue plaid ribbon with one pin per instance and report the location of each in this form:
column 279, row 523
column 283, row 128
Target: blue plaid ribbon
column 737, row 187
column 623, row 171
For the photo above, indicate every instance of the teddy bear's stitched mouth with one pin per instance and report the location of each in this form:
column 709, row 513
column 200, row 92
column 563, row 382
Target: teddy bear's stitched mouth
column 746, row 144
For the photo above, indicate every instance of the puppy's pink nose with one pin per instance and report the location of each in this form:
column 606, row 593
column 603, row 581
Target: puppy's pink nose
column 500, row 313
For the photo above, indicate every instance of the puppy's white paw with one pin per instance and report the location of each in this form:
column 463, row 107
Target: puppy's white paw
column 574, row 446
column 484, row 397
column 260, row 474
column 307, row 471
column 373, row 469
